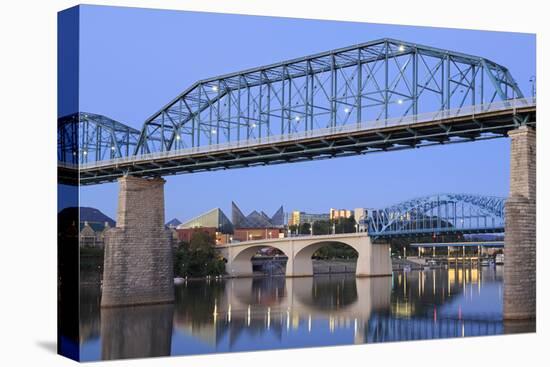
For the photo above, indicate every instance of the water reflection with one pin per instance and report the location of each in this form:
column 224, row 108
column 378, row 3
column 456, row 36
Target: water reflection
column 136, row 332
column 276, row 312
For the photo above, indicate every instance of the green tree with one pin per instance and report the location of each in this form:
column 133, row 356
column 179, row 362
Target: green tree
column 322, row 227
column 305, row 228
column 198, row 258
column 293, row 228
column 335, row 251
column 344, row 225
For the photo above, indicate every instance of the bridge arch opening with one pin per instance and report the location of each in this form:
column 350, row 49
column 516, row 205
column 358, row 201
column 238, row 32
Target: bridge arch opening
column 260, row 259
column 326, row 257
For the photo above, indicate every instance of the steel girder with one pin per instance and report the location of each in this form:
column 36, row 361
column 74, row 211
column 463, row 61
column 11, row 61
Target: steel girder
column 373, row 81
column 465, row 213
column 87, row 137
column 462, row 125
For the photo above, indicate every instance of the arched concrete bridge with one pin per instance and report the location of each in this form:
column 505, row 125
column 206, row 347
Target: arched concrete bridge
column 373, row 259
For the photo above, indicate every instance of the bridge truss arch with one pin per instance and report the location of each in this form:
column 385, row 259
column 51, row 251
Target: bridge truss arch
column 381, row 95
column 89, row 137
column 378, row 80
column 441, row 213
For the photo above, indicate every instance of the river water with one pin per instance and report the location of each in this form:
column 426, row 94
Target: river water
column 213, row 316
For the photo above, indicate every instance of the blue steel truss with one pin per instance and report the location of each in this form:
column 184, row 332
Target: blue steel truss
column 376, row 80
column 439, row 214
column 85, row 137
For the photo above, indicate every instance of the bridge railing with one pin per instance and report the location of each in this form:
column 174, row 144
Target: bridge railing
column 435, row 230
column 342, row 129
column 297, row 236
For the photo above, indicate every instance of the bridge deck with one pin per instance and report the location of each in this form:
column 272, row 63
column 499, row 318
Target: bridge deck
column 271, row 241
column 442, row 127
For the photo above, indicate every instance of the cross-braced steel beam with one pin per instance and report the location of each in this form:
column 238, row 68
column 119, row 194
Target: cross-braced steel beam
column 87, row 137
column 376, row 80
column 436, row 214
column 378, row 96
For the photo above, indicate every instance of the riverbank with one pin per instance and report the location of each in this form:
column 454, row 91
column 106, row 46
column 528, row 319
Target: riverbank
column 92, row 271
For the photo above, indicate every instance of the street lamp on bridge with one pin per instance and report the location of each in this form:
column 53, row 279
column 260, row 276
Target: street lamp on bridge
column 533, row 81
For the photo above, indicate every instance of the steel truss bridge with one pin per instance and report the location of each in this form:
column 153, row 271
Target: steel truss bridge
column 436, row 215
column 376, row 96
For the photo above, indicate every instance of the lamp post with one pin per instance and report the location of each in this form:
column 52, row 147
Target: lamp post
column 533, row 81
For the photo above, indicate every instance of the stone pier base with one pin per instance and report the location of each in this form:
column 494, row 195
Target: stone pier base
column 138, row 266
column 520, row 237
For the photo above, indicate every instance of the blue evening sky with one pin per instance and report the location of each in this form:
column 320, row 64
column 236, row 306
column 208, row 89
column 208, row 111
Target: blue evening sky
column 134, row 61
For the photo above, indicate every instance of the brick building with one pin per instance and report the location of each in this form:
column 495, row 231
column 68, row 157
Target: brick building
column 185, row 234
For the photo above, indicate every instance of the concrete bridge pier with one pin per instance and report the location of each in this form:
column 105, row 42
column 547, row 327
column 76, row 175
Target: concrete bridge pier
column 299, row 262
column 138, row 266
column 374, row 260
column 520, row 237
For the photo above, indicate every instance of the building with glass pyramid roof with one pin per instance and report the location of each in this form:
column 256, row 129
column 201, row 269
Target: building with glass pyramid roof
column 256, row 219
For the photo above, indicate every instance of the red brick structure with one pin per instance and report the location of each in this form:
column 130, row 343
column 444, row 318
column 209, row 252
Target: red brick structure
column 185, row 234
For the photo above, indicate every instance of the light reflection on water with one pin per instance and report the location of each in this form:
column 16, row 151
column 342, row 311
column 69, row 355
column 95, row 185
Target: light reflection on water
column 277, row 312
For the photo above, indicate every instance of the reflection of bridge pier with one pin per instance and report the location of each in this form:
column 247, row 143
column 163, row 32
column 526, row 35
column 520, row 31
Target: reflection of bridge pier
column 136, row 332
column 520, row 238
column 373, row 259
